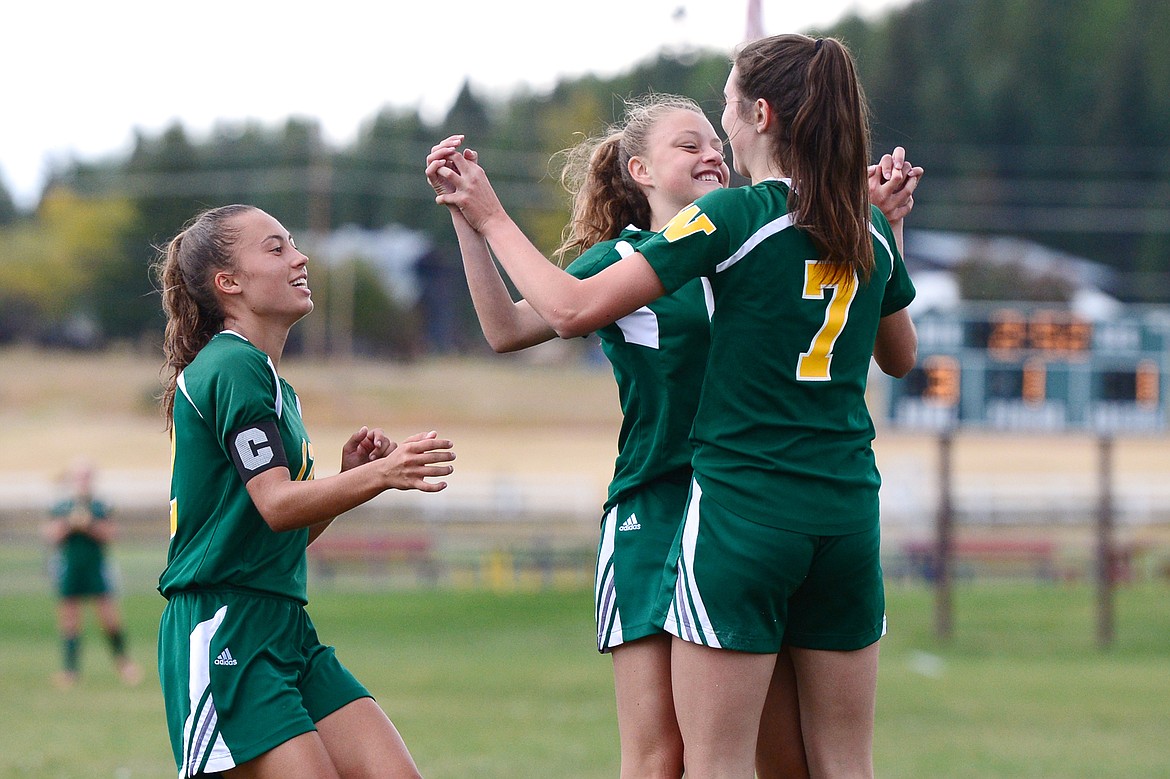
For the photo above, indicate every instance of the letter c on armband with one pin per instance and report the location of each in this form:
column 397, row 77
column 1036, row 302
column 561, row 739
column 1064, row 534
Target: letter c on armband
column 256, row 448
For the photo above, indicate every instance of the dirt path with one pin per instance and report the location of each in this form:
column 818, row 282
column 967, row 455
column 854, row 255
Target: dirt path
column 546, row 428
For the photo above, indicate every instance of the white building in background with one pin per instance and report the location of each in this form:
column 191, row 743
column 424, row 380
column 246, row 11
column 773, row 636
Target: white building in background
column 932, row 257
column 393, row 251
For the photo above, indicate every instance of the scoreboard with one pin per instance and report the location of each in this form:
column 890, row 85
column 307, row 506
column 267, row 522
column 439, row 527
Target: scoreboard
column 1024, row 367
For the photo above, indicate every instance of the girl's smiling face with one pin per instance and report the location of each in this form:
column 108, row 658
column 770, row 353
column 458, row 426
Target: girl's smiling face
column 683, row 160
column 271, row 274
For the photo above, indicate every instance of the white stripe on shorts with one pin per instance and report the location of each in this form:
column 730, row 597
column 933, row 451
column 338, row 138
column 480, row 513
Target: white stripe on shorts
column 687, row 617
column 609, row 619
column 202, row 720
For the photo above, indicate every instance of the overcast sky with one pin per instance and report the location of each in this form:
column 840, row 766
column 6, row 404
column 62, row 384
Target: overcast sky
column 81, row 77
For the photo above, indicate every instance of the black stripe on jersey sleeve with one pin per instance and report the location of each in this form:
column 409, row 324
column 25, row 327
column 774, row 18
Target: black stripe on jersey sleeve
column 255, row 448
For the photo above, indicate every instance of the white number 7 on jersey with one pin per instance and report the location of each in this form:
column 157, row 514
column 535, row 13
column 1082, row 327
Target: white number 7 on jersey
column 814, row 364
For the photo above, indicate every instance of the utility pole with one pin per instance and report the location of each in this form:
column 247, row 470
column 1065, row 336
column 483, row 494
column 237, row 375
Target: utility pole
column 755, row 21
column 320, row 219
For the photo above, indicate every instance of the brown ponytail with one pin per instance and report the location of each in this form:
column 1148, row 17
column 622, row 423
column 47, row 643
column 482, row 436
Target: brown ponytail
column 823, row 139
column 596, row 173
column 185, row 272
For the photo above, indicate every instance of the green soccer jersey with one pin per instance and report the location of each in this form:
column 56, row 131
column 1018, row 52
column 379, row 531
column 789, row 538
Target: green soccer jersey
column 658, row 354
column 229, row 406
column 782, row 435
column 79, row 549
column 81, row 558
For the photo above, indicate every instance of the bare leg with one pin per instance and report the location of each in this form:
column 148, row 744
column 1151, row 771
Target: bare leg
column 363, row 742
column 111, row 619
column 650, row 740
column 301, row 757
column 838, row 693
column 69, row 616
column 108, row 614
column 69, row 627
column 780, row 749
column 719, row 697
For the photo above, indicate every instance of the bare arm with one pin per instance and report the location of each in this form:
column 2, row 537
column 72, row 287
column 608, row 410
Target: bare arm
column 81, row 520
column 363, row 446
column 289, row 505
column 896, row 348
column 892, row 182
column 507, row 325
column 102, row 531
column 571, row 306
column 55, row 530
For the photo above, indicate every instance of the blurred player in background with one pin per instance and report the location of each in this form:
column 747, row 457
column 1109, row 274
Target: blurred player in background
column 250, row 690
column 80, row 531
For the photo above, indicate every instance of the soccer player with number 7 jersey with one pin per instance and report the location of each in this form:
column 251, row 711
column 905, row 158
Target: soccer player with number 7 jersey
column 780, row 542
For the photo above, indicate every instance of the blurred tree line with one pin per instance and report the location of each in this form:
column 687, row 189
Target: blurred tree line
column 1043, row 119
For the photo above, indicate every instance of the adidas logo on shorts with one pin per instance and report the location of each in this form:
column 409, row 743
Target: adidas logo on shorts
column 225, row 658
column 630, row 524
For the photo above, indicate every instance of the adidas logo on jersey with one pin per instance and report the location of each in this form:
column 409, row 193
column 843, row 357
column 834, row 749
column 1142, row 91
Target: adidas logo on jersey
column 630, row 524
column 225, row 658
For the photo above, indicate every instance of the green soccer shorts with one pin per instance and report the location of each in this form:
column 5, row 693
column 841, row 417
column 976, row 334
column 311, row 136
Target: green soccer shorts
column 636, row 537
column 741, row 585
column 79, row 577
column 241, row 674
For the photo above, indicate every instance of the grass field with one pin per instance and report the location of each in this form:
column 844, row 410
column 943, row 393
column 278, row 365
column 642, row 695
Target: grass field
column 508, row 685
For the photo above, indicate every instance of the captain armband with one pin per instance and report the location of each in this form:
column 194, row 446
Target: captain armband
column 255, row 448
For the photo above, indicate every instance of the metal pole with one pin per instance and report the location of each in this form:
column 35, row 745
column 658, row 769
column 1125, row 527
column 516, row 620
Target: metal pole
column 320, row 217
column 1105, row 556
column 341, row 308
column 944, row 539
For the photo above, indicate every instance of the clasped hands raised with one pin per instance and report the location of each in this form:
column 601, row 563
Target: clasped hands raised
column 460, row 183
column 892, row 182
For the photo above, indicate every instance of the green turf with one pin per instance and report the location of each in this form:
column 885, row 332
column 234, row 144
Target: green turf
column 508, row 684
